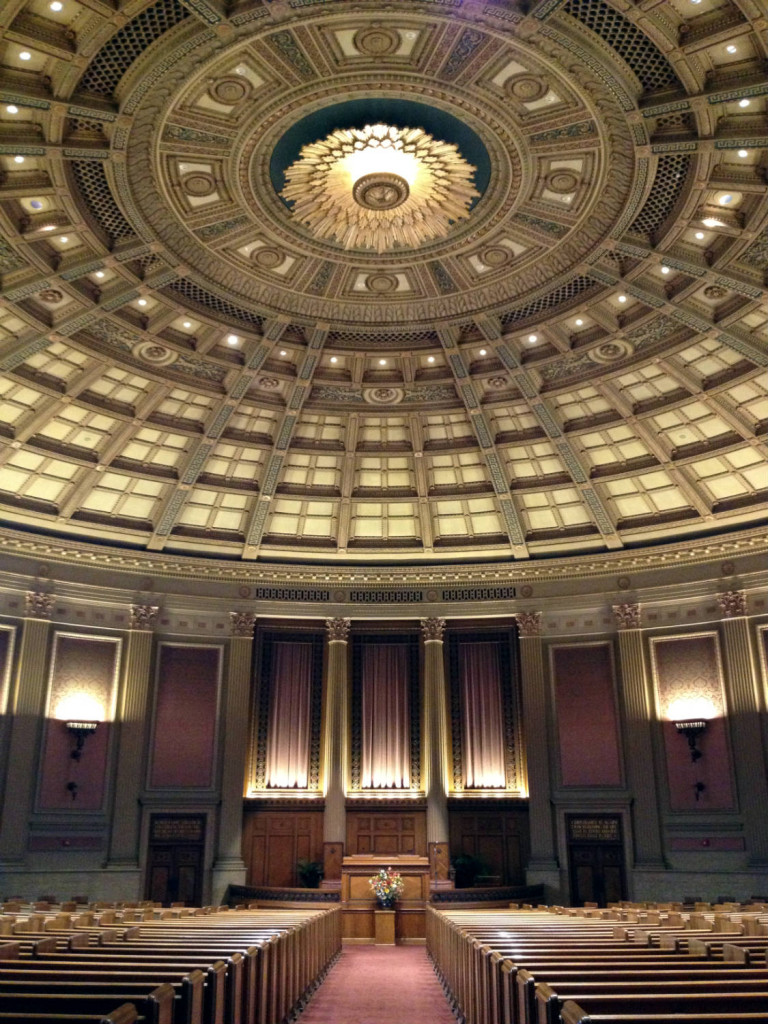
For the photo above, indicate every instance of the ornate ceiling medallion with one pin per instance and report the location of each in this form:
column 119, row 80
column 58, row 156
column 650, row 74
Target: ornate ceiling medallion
column 380, row 187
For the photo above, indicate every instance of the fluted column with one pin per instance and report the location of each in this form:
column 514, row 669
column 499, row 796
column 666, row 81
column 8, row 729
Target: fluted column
column 335, row 750
column 744, row 718
column 131, row 761
column 543, row 863
column 27, row 707
column 229, row 867
column 436, row 747
column 641, row 774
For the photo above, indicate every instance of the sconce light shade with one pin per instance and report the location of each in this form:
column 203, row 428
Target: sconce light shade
column 80, row 732
column 692, row 731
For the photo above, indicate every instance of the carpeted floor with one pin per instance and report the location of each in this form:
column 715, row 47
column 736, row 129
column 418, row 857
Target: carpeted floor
column 380, row 985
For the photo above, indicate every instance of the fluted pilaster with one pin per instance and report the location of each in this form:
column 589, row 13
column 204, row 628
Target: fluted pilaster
column 28, row 715
column 335, row 744
column 636, row 699
column 744, row 717
column 534, row 690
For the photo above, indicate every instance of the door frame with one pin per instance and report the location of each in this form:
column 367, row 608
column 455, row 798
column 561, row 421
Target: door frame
column 165, row 809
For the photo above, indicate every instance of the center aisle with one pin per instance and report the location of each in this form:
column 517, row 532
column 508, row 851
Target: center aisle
column 380, row 985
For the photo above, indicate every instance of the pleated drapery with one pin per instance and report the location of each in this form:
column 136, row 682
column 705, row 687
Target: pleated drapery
column 482, row 707
column 385, row 717
column 290, row 710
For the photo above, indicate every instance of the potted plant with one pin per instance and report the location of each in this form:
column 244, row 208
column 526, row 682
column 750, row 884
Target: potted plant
column 310, row 872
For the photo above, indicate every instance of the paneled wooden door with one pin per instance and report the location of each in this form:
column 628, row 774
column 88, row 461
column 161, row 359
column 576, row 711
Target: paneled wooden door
column 175, row 859
column 596, row 860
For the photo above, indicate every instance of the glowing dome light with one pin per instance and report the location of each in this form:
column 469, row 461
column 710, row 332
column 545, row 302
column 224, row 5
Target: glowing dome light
column 380, row 187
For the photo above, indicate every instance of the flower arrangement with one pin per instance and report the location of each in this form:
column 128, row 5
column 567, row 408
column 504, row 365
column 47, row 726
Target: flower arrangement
column 387, row 886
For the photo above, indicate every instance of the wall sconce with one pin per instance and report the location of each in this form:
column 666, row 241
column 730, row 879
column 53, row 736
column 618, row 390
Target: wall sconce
column 80, row 731
column 692, row 731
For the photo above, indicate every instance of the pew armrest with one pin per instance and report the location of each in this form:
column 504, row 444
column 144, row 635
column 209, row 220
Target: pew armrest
column 125, row 1014
column 572, row 1013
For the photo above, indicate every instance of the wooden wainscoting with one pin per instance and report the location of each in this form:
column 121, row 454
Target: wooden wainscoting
column 276, row 838
column 386, row 830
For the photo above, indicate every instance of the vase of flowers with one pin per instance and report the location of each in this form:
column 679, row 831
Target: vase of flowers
column 387, row 886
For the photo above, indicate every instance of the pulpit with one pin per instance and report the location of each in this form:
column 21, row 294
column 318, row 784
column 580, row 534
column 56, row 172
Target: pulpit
column 358, row 904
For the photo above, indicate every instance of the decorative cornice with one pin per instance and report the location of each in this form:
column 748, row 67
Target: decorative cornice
column 38, row 605
column 433, row 629
column 338, row 629
column 529, row 624
column 144, row 616
column 733, row 603
column 242, row 623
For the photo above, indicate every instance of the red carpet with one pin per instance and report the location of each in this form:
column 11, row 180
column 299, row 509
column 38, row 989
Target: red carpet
column 380, row 985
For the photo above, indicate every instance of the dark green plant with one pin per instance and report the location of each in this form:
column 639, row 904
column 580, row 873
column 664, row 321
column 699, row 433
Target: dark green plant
column 310, row 872
column 467, row 868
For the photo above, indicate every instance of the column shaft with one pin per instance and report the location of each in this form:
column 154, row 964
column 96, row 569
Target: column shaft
column 639, row 755
column 335, row 739
column 28, row 710
column 748, row 752
column 436, row 739
column 229, row 854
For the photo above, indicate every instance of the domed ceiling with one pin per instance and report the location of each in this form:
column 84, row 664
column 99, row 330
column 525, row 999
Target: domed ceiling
column 383, row 282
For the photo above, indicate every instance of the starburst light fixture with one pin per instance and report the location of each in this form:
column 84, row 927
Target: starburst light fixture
column 380, row 187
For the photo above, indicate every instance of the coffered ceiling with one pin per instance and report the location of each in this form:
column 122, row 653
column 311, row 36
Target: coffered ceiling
column 575, row 364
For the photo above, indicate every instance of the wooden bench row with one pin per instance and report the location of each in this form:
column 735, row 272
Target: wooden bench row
column 254, row 967
column 525, row 968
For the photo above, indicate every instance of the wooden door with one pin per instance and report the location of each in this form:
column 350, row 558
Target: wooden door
column 596, row 860
column 175, row 859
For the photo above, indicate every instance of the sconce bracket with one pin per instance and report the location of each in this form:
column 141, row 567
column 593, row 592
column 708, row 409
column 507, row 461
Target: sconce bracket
column 80, row 731
column 692, row 730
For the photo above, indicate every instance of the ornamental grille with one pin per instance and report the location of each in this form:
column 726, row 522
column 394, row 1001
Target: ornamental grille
column 644, row 58
column 573, row 289
column 214, row 303
column 480, row 594
column 289, row 594
column 115, row 57
column 671, row 174
column 82, row 127
column 94, row 189
column 385, row 596
column 405, row 340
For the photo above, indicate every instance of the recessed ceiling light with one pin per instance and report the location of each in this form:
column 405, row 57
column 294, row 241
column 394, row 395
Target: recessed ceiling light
column 12, row 108
column 56, row 5
column 283, row 352
column 48, row 227
column 622, row 298
column 430, row 359
column 18, row 159
column 186, row 325
column 99, row 273
column 533, row 338
column 712, row 222
column 699, row 235
column 142, row 302
column 334, row 359
column 579, row 322
column 25, row 55
column 744, row 103
column 483, row 352
column 726, row 199
column 665, row 270
column 382, row 362
column 232, row 339
column 36, row 204
column 743, row 153
column 731, row 48
column 63, row 239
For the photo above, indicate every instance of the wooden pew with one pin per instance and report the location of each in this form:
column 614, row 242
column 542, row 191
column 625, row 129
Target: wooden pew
column 575, row 1014
column 549, row 1003
column 156, row 1007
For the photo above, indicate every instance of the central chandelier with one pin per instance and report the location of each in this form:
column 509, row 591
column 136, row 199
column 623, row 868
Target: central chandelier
column 380, row 187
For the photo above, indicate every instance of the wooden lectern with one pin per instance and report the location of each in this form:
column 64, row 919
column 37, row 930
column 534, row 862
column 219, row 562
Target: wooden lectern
column 358, row 903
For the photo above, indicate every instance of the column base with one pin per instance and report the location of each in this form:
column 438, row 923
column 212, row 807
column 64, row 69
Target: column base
column 223, row 874
column 547, row 875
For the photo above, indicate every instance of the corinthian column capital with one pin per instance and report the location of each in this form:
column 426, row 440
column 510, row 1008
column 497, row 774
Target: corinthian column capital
column 733, row 603
column 627, row 616
column 338, row 629
column 529, row 623
column 433, row 629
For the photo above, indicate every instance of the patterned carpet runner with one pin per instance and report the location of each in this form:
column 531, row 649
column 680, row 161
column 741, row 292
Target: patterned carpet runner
column 380, row 985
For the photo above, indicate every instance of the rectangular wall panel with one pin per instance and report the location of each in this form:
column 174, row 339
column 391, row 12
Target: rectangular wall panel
column 585, row 706
column 274, row 841
column 82, row 687
column 688, row 680
column 186, row 714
